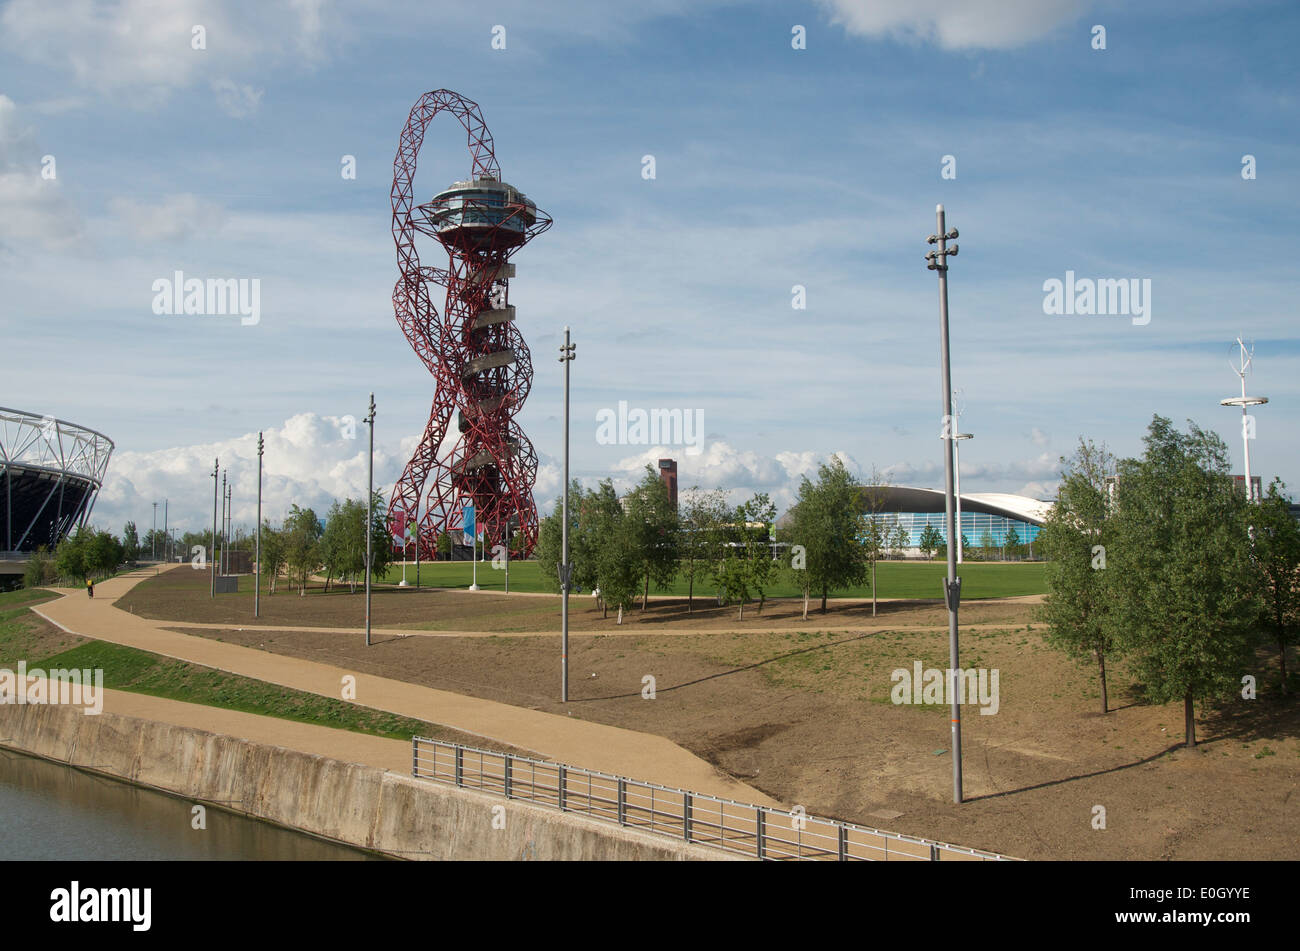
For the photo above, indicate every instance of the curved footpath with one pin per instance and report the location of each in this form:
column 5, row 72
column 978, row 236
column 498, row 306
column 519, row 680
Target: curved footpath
column 563, row 739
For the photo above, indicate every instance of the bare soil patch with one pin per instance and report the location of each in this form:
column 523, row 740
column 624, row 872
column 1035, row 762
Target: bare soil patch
column 807, row 718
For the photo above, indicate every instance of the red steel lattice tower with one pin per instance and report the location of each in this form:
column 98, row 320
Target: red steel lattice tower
column 481, row 366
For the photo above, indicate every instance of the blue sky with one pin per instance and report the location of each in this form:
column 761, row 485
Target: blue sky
column 774, row 166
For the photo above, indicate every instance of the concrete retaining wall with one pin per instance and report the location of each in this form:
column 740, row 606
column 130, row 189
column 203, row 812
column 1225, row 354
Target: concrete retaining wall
column 359, row 805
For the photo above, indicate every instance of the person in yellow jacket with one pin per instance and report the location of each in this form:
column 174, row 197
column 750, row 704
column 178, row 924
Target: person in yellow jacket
column 90, row 588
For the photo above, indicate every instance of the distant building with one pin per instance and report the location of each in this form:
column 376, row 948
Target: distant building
column 668, row 474
column 991, row 513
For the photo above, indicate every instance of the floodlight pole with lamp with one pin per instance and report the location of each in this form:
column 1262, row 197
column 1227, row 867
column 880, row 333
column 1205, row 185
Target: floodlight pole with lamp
column 566, row 570
column 153, row 534
column 938, row 261
column 956, row 452
column 212, row 559
column 257, row 544
column 370, row 502
column 221, row 566
column 1244, row 401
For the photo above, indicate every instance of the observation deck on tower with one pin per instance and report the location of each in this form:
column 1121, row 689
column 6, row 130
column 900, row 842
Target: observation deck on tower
column 479, row 215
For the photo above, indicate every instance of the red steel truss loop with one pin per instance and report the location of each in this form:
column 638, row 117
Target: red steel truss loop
column 481, row 366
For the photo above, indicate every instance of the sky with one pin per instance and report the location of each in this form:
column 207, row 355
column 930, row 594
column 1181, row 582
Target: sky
column 769, row 277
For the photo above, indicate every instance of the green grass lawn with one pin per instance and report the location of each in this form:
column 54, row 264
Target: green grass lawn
column 137, row 671
column 896, row 579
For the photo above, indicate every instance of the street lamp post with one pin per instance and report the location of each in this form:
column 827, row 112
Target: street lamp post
column 938, row 261
column 566, row 570
column 153, row 535
column 370, row 501
column 222, row 566
column 212, row 555
column 257, row 544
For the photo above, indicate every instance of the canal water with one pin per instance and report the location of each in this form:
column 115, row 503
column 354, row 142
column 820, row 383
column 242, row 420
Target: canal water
column 53, row 812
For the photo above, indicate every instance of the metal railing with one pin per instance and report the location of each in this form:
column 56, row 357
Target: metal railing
column 757, row 831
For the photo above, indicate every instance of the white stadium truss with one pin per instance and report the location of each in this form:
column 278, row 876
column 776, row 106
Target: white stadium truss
column 55, row 468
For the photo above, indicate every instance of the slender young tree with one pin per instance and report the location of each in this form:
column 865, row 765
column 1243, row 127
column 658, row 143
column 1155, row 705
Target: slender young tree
column 929, row 542
column 703, row 516
column 1074, row 540
column 652, row 521
column 875, row 531
column 825, row 521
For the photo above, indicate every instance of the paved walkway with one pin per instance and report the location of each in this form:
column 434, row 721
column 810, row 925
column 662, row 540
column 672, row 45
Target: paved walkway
column 560, row 738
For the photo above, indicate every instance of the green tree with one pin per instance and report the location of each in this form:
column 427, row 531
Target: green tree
column 703, row 516
column 987, row 544
column 654, row 526
column 1074, row 539
column 381, row 543
column 39, row 570
column 899, row 539
column 825, row 521
column 1277, row 556
column 302, row 533
column 929, row 541
column 757, row 516
column 619, row 557
column 130, row 543
column 1012, row 543
column 70, row 556
column 1179, row 570
column 273, row 554
column 334, row 542
column 549, row 547
column 876, row 533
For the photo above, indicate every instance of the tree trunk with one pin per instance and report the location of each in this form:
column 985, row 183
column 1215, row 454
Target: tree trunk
column 1281, row 650
column 805, row 604
column 873, row 589
column 1189, row 715
column 742, row 609
column 604, row 609
column 1101, row 670
column 620, row 614
column 690, row 592
column 825, row 591
column 645, row 597
column 762, row 598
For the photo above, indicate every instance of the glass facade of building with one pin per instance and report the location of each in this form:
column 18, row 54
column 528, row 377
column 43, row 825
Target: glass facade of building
column 974, row 525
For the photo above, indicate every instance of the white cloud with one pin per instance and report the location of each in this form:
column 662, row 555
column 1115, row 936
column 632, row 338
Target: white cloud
column 1038, row 437
column 175, row 218
column 310, row 461
column 32, row 208
column 141, row 50
column 954, row 24
column 236, row 100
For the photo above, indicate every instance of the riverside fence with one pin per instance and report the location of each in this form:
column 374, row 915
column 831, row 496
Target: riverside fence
column 757, row 831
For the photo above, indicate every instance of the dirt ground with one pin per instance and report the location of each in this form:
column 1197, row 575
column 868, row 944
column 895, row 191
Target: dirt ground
column 182, row 594
column 807, row 718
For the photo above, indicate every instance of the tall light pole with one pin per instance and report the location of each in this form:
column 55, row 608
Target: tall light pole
column 566, row 570
column 222, row 566
column 230, row 526
column 257, row 544
column 153, row 534
column 938, row 259
column 1245, row 357
column 166, row 537
column 212, row 555
column 956, row 452
column 370, row 502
